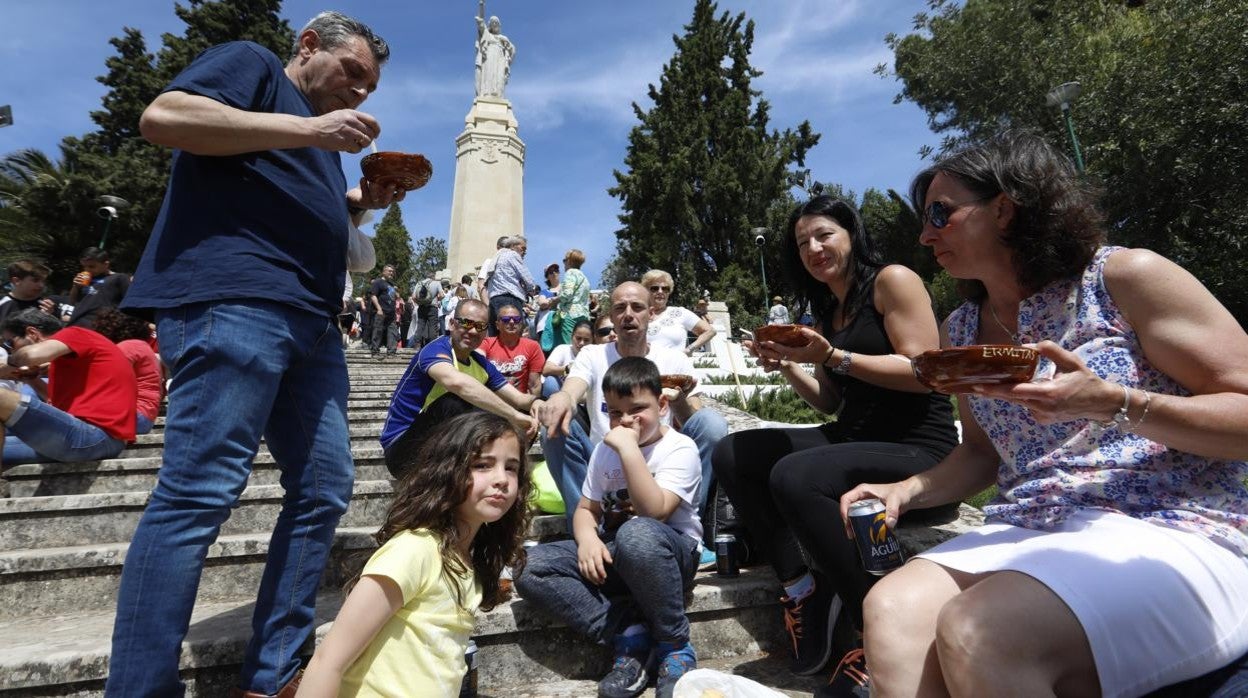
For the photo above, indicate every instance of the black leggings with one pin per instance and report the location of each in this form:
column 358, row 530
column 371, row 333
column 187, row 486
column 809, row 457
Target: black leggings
column 786, row 486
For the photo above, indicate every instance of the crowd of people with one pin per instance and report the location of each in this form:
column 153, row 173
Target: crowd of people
column 1113, row 557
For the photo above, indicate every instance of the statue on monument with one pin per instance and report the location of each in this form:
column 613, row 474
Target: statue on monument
column 494, row 55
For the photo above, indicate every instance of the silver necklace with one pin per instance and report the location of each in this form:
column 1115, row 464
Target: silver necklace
column 1012, row 335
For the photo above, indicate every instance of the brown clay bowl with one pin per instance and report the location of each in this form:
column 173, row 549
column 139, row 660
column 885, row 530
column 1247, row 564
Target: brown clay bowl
column 956, row 369
column 788, row 335
column 405, row 171
column 676, row 381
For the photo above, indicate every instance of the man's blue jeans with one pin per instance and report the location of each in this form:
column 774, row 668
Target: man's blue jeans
column 38, row 432
column 240, row 371
column 652, row 566
column 567, row 457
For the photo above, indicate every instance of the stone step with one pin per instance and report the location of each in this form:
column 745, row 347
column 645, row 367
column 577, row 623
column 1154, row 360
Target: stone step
column 138, row 474
column 358, row 430
column 518, row 645
column 354, row 416
column 770, row 669
column 93, row 519
column 50, row 582
column 135, row 471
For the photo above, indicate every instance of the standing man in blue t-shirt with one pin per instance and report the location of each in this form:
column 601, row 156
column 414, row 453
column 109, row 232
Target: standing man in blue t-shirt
column 244, row 271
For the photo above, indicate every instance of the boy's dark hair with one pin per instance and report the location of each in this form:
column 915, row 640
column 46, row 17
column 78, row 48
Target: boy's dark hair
column 24, row 268
column 94, row 254
column 630, row 373
column 32, row 317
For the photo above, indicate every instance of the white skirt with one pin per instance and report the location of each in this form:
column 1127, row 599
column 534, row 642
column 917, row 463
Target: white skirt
column 1158, row 605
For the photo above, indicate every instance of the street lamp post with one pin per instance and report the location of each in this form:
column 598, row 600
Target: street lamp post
column 760, row 240
column 1061, row 96
column 109, row 206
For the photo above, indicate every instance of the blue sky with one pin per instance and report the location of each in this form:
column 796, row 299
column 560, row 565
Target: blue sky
column 579, row 66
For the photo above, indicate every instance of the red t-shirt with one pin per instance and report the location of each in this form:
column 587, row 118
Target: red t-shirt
column 147, row 375
column 516, row 363
column 95, row 383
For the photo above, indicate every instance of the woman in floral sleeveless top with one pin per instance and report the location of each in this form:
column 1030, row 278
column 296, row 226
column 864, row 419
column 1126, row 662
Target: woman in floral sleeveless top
column 1113, row 558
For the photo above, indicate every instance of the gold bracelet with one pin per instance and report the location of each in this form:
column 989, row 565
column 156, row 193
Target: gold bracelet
column 1148, row 400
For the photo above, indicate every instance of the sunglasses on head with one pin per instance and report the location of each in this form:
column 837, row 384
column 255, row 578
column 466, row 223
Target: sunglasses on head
column 510, row 319
column 658, row 288
column 937, row 213
column 470, row 324
column 604, row 331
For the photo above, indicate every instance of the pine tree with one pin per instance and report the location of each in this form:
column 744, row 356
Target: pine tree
column 394, row 247
column 702, row 167
column 429, row 257
column 115, row 159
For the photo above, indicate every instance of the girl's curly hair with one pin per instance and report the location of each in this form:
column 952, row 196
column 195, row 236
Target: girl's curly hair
column 438, row 481
column 118, row 326
column 1057, row 225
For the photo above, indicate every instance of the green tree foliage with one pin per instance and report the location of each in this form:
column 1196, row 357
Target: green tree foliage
column 31, row 183
column 56, row 215
column 703, row 168
column 1161, row 119
column 429, row 257
column 780, row 405
column 394, row 246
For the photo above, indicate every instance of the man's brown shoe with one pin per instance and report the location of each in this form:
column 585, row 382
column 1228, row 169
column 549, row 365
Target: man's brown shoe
column 288, row 691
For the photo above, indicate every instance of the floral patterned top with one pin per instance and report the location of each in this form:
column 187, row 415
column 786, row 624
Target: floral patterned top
column 1050, row 471
column 574, row 294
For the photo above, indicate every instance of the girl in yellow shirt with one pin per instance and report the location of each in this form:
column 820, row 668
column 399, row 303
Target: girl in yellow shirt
column 404, row 626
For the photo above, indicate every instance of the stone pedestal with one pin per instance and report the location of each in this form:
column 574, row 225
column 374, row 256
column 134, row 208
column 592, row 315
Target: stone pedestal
column 489, row 185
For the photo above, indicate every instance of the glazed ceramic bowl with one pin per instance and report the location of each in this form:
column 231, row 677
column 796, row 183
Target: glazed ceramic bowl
column 788, row 335
column 676, row 381
column 406, row 171
column 956, row 369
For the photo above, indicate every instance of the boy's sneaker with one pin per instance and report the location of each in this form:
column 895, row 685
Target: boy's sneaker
column 810, row 622
column 674, row 662
column 706, row 561
column 850, row 679
column 631, row 670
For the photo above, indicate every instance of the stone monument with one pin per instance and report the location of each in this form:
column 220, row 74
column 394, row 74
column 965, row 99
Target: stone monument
column 489, row 159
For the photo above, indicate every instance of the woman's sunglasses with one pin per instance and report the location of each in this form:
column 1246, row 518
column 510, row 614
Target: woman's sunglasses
column 604, row 331
column 660, row 289
column 937, row 213
column 469, row 324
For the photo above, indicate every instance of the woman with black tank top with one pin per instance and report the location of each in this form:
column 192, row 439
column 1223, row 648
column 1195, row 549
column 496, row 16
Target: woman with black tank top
column 786, row 483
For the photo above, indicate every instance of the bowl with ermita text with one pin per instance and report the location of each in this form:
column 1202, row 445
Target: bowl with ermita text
column 957, row 369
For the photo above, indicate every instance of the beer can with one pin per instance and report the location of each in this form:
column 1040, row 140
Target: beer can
column 726, row 562
column 877, row 545
column 468, row 688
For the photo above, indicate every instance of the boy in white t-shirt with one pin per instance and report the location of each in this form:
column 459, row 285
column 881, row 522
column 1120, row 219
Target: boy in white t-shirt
column 625, row 585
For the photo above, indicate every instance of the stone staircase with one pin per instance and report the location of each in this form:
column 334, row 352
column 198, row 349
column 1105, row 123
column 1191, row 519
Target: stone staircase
column 64, row 534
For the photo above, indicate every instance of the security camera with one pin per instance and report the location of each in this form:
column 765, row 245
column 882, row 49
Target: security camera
column 106, row 212
column 760, row 240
